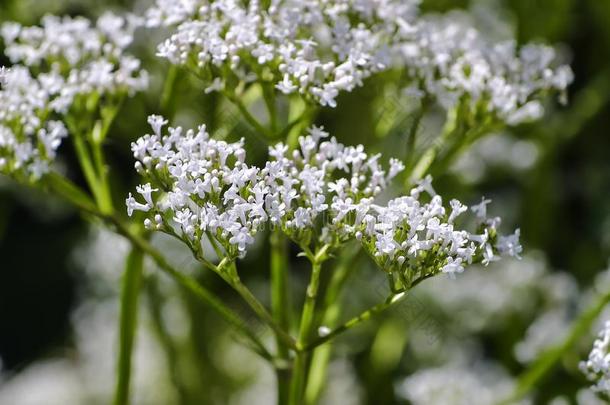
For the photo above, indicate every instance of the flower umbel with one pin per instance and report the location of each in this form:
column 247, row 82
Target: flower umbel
column 318, row 49
column 322, row 194
column 68, row 75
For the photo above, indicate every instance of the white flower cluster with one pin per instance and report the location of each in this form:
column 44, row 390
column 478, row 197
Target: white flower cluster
column 85, row 58
column 316, row 48
column 322, row 193
column 452, row 62
column 319, row 48
column 64, row 68
column 28, row 140
column 597, row 366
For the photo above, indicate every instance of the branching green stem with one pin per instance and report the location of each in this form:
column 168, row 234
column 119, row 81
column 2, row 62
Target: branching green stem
column 330, row 312
column 307, row 326
column 84, row 159
column 389, row 302
column 72, row 194
column 104, row 193
column 259, row 309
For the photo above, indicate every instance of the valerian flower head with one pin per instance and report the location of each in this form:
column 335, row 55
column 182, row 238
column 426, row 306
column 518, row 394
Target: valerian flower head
column 321, row 194
column 597, row 366
column 313, row 48
column 454, row 63
column 67, row 73
column 28, row 139
column 90, row 57
column 318, row 49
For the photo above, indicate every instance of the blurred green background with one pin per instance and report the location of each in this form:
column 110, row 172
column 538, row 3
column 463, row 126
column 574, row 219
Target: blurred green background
column 59, row 278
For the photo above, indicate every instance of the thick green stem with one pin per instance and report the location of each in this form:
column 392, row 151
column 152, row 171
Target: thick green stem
column 331, row 310
column 545, row 363
column 130, row 291
column 270, row 102
column 280, row 307
column 299, row 372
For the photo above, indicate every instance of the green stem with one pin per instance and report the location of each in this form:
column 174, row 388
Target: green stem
column 429, row 156
column 298, row 125
column 470, row 137
column 71, row 193
column 166, row 103
column 130, row 291
column 412, row 134
column 369, row 313
column 545, row 363
column 197, row 289
column 269, row 97
column 261, row 132
column 331, row 310
column 85, row 161
column 299, row 372
column 280, row 307
column 105, row 195
column 259, row 309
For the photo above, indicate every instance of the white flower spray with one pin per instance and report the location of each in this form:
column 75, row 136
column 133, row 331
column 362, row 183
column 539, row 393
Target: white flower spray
column 322, row 194
column 318, row 49
column 65, row 72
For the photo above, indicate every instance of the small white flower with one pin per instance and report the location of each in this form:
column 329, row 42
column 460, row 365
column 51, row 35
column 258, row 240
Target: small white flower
column 133, row 205
column 146, row 190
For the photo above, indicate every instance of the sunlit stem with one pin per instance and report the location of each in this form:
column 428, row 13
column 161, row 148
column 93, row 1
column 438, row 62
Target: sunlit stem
column 281, row 306
column 330, row 312
column 307, row 327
